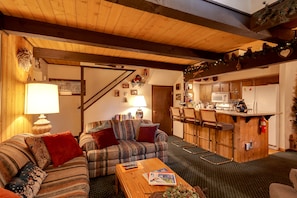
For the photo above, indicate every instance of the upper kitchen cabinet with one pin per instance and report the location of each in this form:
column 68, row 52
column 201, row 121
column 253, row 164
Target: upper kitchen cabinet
column 235, row 90
column 205, row 92
column 221, row 87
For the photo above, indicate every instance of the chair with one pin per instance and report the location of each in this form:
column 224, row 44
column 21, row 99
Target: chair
column 209, row 120
column 278, row 190
column 176, row 115
column 190, row 116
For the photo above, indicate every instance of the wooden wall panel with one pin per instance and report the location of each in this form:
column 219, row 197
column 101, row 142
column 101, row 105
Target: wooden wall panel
column 13, row 79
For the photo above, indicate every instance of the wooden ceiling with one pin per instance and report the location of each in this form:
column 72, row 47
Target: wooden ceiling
column 129, row 32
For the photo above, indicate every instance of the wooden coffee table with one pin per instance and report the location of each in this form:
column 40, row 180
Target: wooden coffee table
column 134, row 185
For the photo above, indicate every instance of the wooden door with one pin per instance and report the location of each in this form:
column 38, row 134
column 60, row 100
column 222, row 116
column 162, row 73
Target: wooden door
column 162, row 100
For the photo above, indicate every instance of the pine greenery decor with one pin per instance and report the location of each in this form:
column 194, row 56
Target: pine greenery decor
column 294, row 109
column 180, row 191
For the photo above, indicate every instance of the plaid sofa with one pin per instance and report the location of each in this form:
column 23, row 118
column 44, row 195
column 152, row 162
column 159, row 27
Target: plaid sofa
column 102, row 162
column 68, row 180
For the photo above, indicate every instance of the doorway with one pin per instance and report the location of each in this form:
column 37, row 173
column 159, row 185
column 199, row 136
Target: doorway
column 162, row 100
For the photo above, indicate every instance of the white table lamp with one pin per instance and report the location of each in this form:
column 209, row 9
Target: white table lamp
column 139, row 102
column 41, row 98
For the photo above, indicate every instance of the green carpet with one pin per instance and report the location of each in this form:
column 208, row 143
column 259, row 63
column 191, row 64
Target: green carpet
column 232, row 180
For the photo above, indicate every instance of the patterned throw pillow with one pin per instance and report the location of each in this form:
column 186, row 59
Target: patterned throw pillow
column 39, row 150
column 28, row 181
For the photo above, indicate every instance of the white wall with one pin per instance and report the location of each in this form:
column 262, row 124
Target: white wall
column 108, row 105
column 288, row 81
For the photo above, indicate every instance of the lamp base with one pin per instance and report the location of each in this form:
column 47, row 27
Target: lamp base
column 139, row 114
column 42, row 125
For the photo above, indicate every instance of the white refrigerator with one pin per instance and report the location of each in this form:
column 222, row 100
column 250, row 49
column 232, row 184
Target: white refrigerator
column 261, row 99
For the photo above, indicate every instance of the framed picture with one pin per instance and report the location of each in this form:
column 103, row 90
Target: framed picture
column 125, row 85
column 134, row 92
column 69, row 87
column 177, row 86
column 116, row 93
column 177, row 96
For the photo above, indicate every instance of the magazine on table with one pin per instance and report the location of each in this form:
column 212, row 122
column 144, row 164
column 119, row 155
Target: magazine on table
column 146, row 175
column 162, row 178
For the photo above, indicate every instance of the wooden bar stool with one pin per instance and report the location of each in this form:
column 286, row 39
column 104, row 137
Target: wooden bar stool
column 190, row 118
column 209, row 120
column 176, row 115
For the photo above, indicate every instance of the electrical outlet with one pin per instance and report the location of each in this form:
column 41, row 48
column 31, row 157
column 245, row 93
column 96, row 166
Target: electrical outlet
column 247, row 146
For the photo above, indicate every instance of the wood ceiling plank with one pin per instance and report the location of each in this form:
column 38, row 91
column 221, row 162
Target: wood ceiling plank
column 46, row 12
column 92, row 14
column 59, row 11
column 205, row 14
column 71, row 13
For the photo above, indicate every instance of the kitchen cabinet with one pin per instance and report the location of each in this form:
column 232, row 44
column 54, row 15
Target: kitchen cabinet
column 221, row 87
column 205, row 92
column 235, row 90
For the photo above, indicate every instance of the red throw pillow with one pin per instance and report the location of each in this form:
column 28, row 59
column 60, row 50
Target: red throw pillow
column 104, row 138
column 8, row 194
column 62, row 147
column 147, row 133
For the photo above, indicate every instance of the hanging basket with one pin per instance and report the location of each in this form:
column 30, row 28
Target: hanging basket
column 24, row 57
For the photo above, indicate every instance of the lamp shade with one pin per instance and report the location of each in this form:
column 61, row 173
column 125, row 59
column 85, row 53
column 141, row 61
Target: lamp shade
column 41, row 98
column 139, row 101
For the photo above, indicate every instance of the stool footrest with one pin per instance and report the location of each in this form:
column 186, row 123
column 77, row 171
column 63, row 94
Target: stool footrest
column 204, row 157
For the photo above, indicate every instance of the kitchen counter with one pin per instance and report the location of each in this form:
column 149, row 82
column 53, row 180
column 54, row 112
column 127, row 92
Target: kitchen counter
column 246, row 131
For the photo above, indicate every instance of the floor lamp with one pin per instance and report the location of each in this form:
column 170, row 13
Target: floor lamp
column 41, row 98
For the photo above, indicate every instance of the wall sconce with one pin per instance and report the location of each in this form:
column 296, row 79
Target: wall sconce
column 41, row 98
column 24, row 57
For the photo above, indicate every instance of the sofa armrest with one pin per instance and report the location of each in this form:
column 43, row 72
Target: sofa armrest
column 293, row 177
column 277, row 190
column 86, row 142
column 161, row 136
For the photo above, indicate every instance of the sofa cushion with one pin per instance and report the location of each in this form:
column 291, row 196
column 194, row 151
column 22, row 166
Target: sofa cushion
column 39, row 150
column 14, row 154
column 147, row 133
column 62, row 147
column 68, row 180
column 28, row 181
column 123, row 130
column 104, row 138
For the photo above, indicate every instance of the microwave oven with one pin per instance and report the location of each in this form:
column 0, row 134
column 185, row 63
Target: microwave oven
column 220, row 97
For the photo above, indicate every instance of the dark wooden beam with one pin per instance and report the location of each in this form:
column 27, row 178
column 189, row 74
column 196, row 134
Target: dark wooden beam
column 274, row 15
column 200, row 13
column 93, row 58
column 249, row 60
column 25, row 27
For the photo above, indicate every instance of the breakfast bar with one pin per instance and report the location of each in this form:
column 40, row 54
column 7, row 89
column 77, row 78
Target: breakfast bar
column 250, row 142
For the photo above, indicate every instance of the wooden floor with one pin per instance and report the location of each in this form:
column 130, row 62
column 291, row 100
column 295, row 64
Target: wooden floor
column 271, row 151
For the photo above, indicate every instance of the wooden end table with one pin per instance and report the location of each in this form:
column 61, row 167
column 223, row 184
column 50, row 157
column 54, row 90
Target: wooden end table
column 134, row 185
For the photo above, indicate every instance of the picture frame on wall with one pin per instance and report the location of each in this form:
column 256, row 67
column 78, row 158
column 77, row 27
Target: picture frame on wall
column 116, row 93
column 177, row 86
column 134, row 92
column 125, row 85
column 177, row 96
column 69, row 87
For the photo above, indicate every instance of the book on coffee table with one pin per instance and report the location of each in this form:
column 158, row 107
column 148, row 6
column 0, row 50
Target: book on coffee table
column 162, row 178
column 146, row 175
